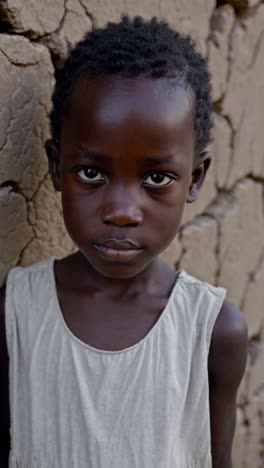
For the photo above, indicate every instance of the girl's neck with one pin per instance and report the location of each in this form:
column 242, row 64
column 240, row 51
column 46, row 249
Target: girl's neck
column 75, row 269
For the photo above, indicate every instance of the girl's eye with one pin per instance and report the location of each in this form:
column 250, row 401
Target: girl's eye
column 158, row 179
column 91, row 175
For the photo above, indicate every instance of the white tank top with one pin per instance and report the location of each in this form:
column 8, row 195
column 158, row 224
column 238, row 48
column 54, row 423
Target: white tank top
column 74, row 406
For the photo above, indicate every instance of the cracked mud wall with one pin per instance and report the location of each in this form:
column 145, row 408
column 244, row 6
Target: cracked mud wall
column 222, row 239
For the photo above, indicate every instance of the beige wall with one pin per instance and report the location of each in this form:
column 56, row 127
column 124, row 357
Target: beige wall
column 222, row 239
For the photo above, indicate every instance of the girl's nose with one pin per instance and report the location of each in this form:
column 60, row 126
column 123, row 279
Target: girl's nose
column 121, row 210
column 121, row 216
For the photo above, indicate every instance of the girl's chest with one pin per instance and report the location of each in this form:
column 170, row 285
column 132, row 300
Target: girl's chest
column 110, row 324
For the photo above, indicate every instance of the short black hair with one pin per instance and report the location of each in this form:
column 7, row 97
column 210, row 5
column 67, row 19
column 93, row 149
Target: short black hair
column 136, row 47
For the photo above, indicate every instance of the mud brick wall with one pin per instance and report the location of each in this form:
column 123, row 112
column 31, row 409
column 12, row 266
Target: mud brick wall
column 222, row 238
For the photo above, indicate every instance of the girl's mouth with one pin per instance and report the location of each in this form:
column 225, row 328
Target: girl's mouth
column 118, row 251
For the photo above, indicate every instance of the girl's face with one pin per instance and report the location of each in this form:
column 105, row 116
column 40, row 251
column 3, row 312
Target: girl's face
column 125, row 166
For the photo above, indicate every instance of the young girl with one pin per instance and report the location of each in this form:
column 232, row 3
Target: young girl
column 116, row 360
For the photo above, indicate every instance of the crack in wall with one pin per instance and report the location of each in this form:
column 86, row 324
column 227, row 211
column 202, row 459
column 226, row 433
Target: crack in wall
column 88, row 13
column 240, row 6
column 14, row 186
column 251, row 279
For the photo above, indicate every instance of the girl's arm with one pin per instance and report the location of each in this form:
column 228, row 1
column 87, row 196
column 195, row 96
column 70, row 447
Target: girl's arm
column 226, row 366
column 4, row 388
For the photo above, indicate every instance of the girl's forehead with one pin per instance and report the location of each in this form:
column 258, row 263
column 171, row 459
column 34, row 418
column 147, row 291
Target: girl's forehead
column 114, row 98
column 143, row 108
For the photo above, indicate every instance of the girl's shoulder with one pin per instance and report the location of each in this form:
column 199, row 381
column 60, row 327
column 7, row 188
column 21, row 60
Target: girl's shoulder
column 200, row 295
column 29, row 290
column 18, row 272
column 229, row 343
column 230, row 326
column 195, row 283
column 226, row 366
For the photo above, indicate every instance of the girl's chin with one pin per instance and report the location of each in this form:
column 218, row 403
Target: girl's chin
column 119, row 269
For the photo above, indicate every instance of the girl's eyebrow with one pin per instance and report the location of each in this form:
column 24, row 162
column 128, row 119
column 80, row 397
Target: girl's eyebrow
column 100, row 156
column 160, row 159
column 93, row 155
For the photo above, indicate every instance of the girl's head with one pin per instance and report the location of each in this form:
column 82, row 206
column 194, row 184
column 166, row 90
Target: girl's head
column 136, row 48
column 130, row 122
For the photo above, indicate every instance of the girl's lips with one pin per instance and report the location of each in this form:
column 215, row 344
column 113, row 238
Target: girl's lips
column 117, row 254
column 119, row 244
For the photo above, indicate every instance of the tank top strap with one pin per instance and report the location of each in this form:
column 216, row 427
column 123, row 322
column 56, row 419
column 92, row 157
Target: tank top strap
column 196, row 306
column 27, row 295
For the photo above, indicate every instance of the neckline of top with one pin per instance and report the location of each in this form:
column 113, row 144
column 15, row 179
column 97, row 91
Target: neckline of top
column 102, row 351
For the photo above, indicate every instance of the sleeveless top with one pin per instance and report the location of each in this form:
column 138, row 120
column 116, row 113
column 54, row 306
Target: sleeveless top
column 75, row 406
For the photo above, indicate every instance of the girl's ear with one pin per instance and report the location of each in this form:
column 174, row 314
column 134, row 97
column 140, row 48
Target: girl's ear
column 198, row 175
column 53, row 153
